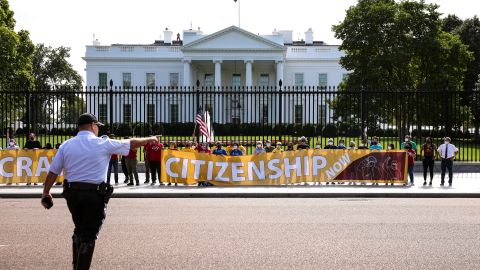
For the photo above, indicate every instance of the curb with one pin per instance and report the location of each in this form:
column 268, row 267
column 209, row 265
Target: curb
column 260, row 195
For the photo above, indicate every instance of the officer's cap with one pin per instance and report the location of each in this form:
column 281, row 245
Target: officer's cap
column 88, row 118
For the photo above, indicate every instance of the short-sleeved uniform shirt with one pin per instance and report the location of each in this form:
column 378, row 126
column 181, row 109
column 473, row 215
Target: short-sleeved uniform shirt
column 85, row 158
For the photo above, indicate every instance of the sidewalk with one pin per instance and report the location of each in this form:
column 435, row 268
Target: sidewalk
column 465, row 185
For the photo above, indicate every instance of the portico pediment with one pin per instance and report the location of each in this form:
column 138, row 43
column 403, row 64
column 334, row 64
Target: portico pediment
column 233, row 39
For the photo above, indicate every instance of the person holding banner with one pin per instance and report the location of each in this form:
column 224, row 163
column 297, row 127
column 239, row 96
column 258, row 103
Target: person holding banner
column 219, row 151
column 268, row 146
column 12, row 145
column 259, row 149
column 235, row 151
column 84, row 161
column 278, row 148
column 375, row 145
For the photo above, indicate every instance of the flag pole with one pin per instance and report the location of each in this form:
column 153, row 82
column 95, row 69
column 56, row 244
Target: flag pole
column 238, row 11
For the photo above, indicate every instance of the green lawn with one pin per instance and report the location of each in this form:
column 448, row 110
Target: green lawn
column 469, row 151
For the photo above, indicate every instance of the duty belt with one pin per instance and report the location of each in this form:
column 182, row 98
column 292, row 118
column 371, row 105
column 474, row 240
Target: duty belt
column 81, row 186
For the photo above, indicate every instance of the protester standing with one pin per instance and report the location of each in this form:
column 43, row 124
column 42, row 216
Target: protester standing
column 411, row 161
column 113, row 164
column 12, row 145
column 259, row 149
column 341, row 144
column 375, row 145
column 146, row 162
column 364, row 144
column 408, row 139
column 32, row 144
column 330, row 145
column 235, row 151
column 124, row 165
column 268, row 146
column 278, row 148
column 219, row 151
column 131, row 162
column 447, row 152
column 290, row 146
column 428, row 152
column 303, row 145
column 154, row 157
column 84, row 160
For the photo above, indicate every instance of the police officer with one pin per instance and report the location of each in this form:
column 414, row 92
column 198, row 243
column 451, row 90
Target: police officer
column 84, row 160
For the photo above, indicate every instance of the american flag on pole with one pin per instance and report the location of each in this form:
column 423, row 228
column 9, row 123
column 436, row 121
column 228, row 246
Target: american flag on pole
column 203, row 122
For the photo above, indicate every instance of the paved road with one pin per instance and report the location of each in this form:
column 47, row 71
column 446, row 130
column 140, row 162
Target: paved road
column 252, row 234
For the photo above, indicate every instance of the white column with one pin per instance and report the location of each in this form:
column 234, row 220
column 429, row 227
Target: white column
column 279, row 72
column 218, row 73
column 248, row 73
column 186, row 72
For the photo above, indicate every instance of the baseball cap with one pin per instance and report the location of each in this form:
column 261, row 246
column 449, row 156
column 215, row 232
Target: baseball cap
column 88, row 118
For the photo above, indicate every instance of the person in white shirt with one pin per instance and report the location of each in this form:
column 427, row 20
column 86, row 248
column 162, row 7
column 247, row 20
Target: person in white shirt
column 84, row 161
column 447, row 152
column 12, row 145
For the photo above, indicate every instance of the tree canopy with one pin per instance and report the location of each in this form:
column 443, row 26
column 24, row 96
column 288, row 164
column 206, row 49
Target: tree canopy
column 397, row 47
column 16, row 51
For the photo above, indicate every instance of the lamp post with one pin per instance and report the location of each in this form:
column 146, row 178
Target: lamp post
column 111, row 106
column 238, row 11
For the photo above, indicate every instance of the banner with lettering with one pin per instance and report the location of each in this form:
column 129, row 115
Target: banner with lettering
column 25, row 166
column 285, row 168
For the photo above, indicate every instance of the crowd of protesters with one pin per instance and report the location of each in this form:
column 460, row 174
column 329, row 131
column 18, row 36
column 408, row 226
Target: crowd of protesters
column 152, row 155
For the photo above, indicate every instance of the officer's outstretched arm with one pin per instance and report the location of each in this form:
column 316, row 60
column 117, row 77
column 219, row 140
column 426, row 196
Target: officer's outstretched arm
column 137, row 142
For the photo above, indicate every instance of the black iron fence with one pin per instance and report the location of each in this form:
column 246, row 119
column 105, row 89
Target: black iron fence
column 249, row 114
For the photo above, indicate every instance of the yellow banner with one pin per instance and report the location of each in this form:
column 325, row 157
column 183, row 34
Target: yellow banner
column 25, row 166
column 285, row 168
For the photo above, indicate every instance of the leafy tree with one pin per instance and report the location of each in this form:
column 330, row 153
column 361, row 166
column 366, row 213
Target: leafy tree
column 16, row 50
column 450, row 23
column 400, row 48
column 469, row 33
column 54, row 76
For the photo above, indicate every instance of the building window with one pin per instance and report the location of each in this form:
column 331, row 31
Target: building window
column 323, row 80
column 127, row 80
column 127, row 113
column 173, row 113
column 151, row 114
column 209, row 81
column 102, row 113
column 102, row 80
column 322, row 114
column 236, row 80
column 299, row 79
column 265, row 114
column 298, row 114
column 236, row 110
column 151, row 80
column 264, row 80
column 173, row 79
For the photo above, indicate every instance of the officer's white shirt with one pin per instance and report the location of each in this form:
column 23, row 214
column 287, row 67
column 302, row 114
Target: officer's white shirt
column 451, row 150
column 85, row 157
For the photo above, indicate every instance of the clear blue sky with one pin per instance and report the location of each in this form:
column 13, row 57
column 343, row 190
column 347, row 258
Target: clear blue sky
column 72, row 23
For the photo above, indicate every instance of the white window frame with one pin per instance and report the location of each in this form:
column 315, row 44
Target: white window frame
column 124, row 85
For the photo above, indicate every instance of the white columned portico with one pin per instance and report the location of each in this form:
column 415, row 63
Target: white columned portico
column 248, row 73
column 218, row 73
column 279, row 71
column 186, row 72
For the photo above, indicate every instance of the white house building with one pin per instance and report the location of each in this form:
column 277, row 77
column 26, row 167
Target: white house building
column 229, row 57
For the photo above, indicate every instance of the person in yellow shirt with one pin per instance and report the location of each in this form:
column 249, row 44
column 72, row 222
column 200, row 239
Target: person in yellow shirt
column 188, row 147
column 278, row 149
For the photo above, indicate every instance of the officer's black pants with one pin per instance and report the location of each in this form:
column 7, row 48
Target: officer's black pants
column 88, row 211
column 428, row 164
column 447, row 164
column 155, row 170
